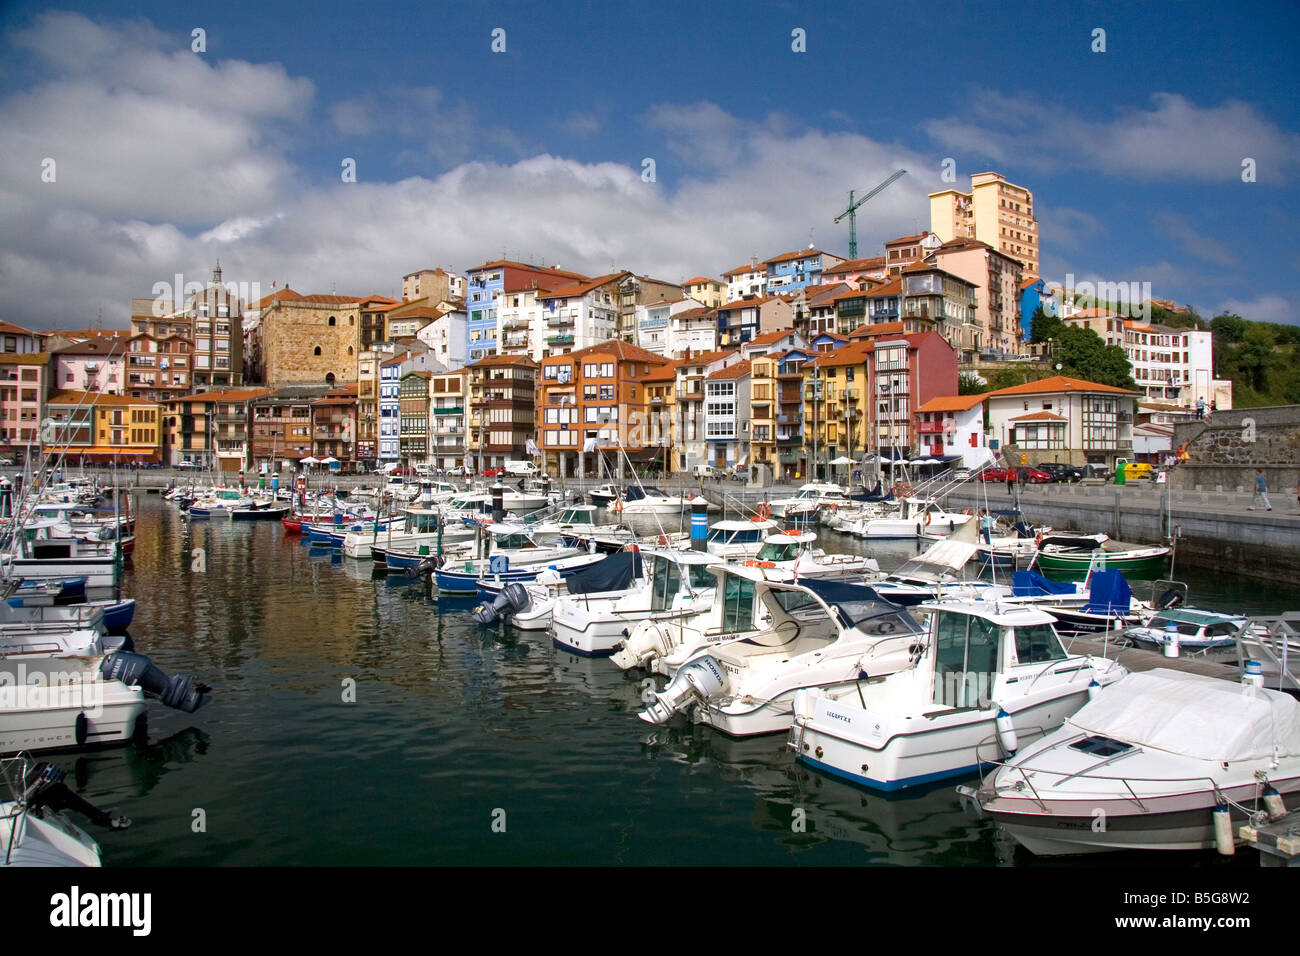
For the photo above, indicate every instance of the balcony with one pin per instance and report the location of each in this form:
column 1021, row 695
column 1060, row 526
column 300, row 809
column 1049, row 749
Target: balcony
column 936, row 428
column 559, row 340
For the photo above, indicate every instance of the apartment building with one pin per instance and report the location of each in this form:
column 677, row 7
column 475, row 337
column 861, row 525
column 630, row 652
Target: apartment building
column 24, row 380
column 94, row 365
column 581, row 315
column 16, row 340
column 159, row 369
column 953, row 425
column 792, row 271
column 746, row 281
column 996, row 279
column 709, row 293
column 942, row 302
column 484, row 283
column 413, row 427
column 99, row 428
column 692, row 331
column 727, row 415
column 837, row 400
column 213, row 322
column 1063, row 419
column 743, row 320
column 636, row 293
column 447, row 418
column 502, row 408
column 995, row 211
column 281, row 428
column 334, row 425
column 855, row 272
column 908, row 250
column 435, row 284
column 374, row 311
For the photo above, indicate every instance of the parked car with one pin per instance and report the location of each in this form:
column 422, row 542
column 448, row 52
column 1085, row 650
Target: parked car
column 961, row 474
column 1062, row 472
column 1032, row 475
column 492, row 472
column 187, row 464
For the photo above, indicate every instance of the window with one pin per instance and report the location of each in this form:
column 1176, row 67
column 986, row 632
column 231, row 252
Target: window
column 1038, row 644
column 331, row 320
column 316, row 350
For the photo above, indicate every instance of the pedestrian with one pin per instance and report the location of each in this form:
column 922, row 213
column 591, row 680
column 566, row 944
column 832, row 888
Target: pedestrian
column 1200, row 409
column 1261, row 490
column 1011, row 482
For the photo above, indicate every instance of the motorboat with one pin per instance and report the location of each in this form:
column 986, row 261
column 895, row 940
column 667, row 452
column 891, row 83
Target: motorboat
column 912, row 518
column 1160, row 760
column 528, row 607
column 937, row 571
column 990, row 678
column 732, row 539
column 603, row 494
column 35, row 824
column 418, row 526
column 822, row 634
column 807, row 499
column 648, row 500
column 677, row 584
column 36, row 556
column 791, row 555
column 1109, row 605
column 1077, row 555
column 514, row 555
column 220, row 504
column 1196, row 629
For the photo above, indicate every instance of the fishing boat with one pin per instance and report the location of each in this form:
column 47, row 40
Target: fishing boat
column 1166, row 760
column 822, row 634
column 990, row 678
column 1076, row 555
column 676, row 584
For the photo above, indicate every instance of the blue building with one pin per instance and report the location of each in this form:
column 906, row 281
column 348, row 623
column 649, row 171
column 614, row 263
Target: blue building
column 390, row 374
column 483, row 284
column 1034, row 293
column 792, row 271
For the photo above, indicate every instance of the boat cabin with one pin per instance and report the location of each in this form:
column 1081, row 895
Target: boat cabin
column 785, row 547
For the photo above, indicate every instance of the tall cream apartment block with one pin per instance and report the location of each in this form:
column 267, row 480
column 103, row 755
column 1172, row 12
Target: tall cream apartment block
column 994, row 211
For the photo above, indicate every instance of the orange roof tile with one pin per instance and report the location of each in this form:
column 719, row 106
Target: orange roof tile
column 732, row 371
column 952, row 403
column 698, row 279
column 1059, row 383
column 1038, row 417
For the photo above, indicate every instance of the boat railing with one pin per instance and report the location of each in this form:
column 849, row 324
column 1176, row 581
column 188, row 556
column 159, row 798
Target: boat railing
column 14, row 771
column 1275, row 641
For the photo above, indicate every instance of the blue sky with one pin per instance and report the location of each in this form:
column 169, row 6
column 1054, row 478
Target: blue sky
column 168, row 159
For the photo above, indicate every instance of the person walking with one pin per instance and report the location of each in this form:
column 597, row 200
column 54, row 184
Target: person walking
column 1261, row 491
column 1011, row 482
column 1200, row 409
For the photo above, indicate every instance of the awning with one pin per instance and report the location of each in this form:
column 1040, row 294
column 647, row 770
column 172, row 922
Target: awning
column 144, row 454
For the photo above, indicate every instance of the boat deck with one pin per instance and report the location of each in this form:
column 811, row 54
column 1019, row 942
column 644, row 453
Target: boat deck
column 1142, row 659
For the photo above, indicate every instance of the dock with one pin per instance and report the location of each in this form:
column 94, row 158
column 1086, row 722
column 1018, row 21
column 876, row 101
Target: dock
column 1278, row 842
column 1142, row 659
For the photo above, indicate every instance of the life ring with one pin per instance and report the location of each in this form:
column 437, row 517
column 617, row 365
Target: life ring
column 764, row 511
column 618, row 506
column 792, row 531
column 927, row 519
column 902, row 490
column 967, row 511
column 1038, row 540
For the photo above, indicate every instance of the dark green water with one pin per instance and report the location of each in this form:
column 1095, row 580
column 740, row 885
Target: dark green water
column 455, row 727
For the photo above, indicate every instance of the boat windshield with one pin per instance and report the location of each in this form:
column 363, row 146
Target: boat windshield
column 511, row 541
column 1037, row 644
column 576, row 516
column 664, row 584
column 1185, row 628
column 737, row 605
column 699, row 577
column 778, row 551
column 965, row 659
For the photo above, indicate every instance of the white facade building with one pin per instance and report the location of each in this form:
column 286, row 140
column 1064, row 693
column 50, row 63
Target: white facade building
column 446, row 338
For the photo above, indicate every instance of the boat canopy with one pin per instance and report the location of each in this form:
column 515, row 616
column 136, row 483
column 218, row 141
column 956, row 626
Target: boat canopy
column 943, row 558
column 860, row 607
column 614, row 573
column 1033, row 584
column 1205, row 718
column 638, row 492
column 1108, row 592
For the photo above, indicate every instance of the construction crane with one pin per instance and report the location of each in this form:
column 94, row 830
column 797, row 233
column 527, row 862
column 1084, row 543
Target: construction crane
column 852, row 211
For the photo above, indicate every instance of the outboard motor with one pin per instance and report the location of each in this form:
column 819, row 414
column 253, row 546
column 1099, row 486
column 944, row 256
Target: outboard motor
column 424, row 569
column 697, row 680
column 512, row 600
column 44, row 787
column 646, row 642
column 182, row 692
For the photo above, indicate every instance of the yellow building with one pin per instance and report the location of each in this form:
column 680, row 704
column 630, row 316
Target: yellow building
column 837, row 403
column 995, row 211
column 763, row 402
column 709, row 292
column 101, row 427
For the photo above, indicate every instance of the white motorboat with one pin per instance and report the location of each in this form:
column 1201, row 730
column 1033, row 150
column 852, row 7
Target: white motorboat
column 912, row 518
column 37, row 556
column 822, row 634
column 603, row 495
column 1161, row 760
column 733, row 539
column 990, row 679
column 807, row 499
column 529, row 606
column 647, row 500
column 514, row 555
column 790, row 555
column 420, row 526
column 35, row 829
column 678, row 584
column 1196, row 629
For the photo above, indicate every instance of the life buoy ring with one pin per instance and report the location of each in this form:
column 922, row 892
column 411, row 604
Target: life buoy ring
column 618, row 506
column 792, row 531
column 764, row 511
column 927, row 519
column 902, row 490
column 1038, row 540
column 967, row 511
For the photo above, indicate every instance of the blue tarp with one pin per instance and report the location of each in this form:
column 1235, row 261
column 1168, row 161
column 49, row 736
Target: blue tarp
column 1033, row 584
column 615, row 573
column 1107, row 593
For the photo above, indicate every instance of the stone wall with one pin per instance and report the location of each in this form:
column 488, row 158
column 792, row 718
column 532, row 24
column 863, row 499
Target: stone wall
column 291, row 333
column 1225, row 450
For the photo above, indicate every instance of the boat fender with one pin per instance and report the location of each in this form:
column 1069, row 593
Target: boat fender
column 1094, row 688
column 1006, row 732
column 182, row 692
column 1273, row 803
column 1223, row 841
column 81, row 729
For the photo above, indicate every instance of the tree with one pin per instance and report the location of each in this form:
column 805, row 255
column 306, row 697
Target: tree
column 1257, row 356
column 968, row 383
column 1081, row 353
column 1015, row 375
column 1229, row 327
column 1043, row 326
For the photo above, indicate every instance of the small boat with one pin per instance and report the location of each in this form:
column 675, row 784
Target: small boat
column 913, row 518
column 1167, row 760
column 648, row 500
column 1197, row 630
column 261, row 511
column 1076, row 555
column 822, row 634
column 990, row 679
column 1110, row 604
column 603, row 495
column 515, row 555
column 738, row 539
column 528, row 607
column 790, row 555
column 35, row 828
column 806, row 500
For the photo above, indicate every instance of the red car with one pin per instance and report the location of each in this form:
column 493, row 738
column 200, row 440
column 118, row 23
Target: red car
column 1032, row 475
column 492, row 472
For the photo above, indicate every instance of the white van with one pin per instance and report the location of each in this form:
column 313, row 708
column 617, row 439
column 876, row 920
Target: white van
column 521, row 468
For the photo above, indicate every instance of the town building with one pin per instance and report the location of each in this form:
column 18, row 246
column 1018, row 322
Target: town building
column 413, row 432
column 210, row 429
column 635, row 294
column 99, row 428
column 743, row 320
column 281, row 430
column 25, row 378
column 14, row 339
column 953, row 425
column 213, row 322
column 502, row 420
column 746, row 281
column 594, row 403
column 1062, row 419
column 484, row 283
column 944, row 303
column 727, row 416
column 436, row 285
column 996, row 279
column 692, row 331
column 837, row 403
column 995, row 211
column 448, row 432
column 302, row 339
column 709, row 293
column 691, row 449
column 374, row 311
column 334, row 426
column 581, row 315
column 94, row 365
column 792, row 271
column 854, row 272
column 159, row 369
column 908, row 250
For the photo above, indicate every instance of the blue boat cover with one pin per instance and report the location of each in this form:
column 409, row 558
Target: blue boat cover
column 1033, row 584
column 637, row 492
column 1108, row 593
column 614, row 573
column 862, row 607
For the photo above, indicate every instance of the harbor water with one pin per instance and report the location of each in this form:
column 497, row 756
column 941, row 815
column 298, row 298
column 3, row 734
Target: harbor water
column 360, row 720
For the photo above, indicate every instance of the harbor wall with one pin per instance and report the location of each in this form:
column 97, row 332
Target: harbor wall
column 1224, row 451
column 1213, row 530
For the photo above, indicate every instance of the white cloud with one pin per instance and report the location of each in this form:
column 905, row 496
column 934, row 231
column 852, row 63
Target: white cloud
column 1264, row 308
column 1173, row 139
